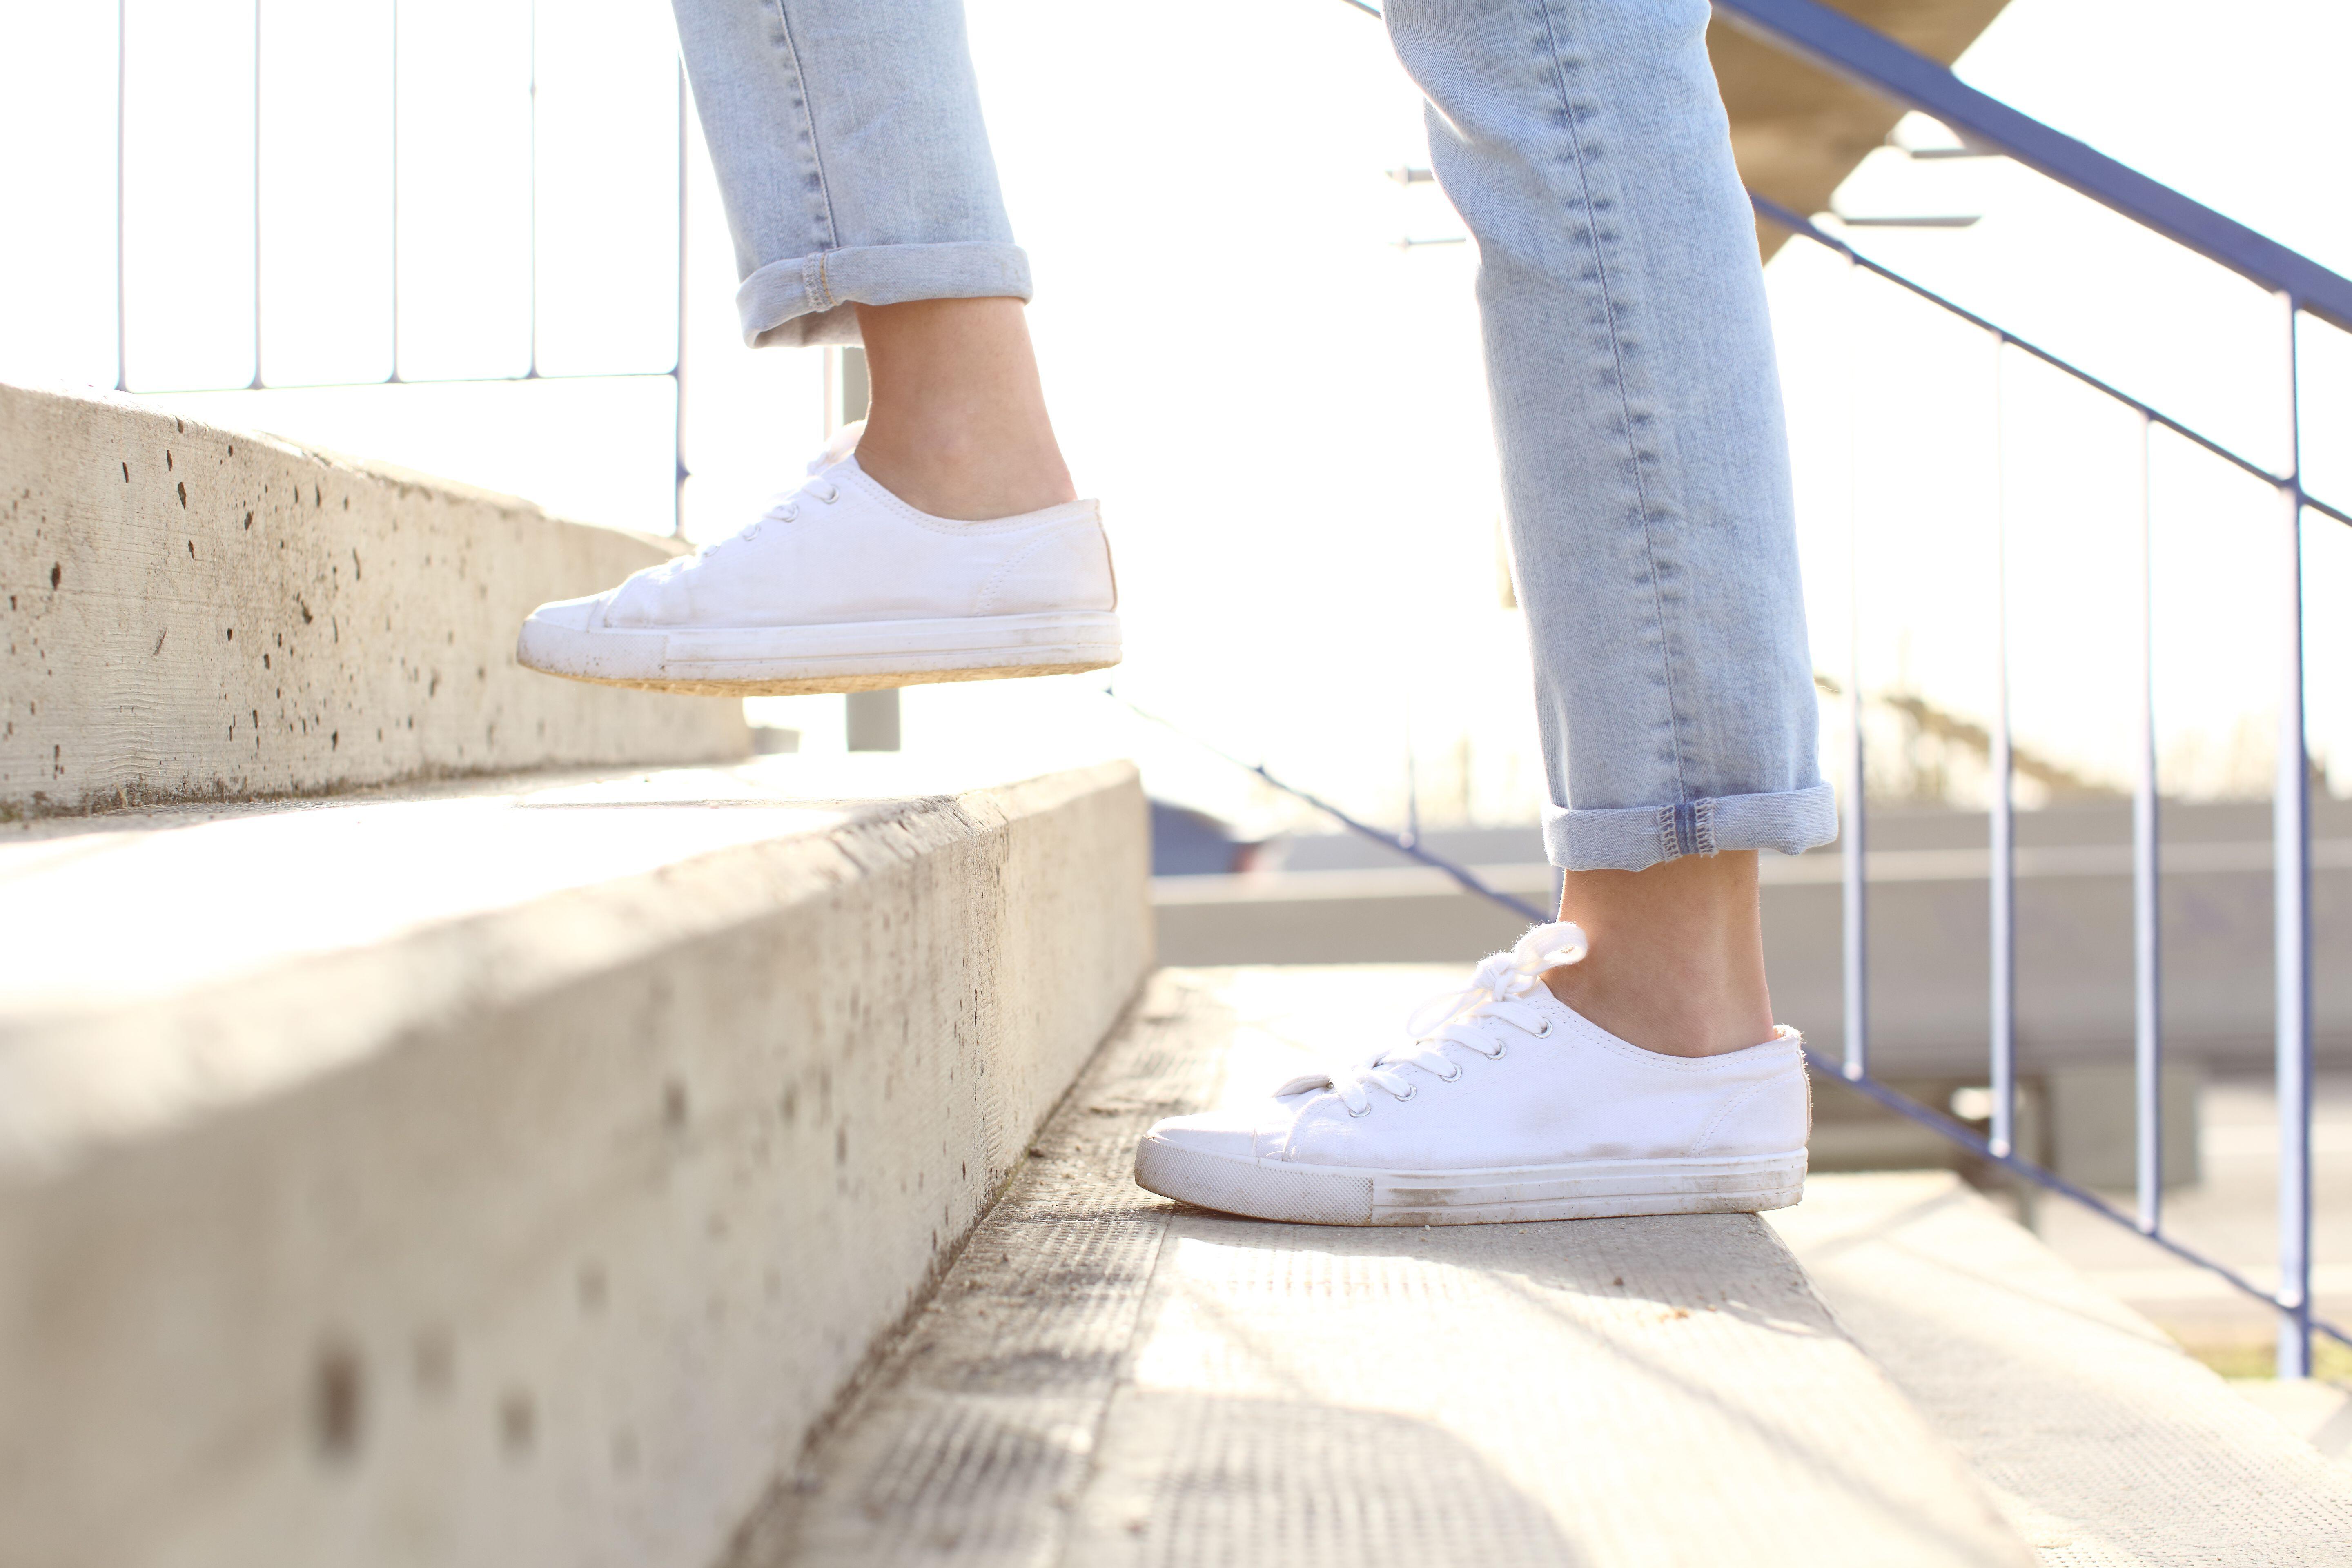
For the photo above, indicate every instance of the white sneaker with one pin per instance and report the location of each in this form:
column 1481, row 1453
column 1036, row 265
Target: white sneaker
column 1510, row 1107
column 841, row 586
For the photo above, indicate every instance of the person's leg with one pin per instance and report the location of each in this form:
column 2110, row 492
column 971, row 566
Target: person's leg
column 1622, row 1061
column 851, row 154
column 955, row 422
column 942, row 542
column 1678, row 959
column 864, row 204
column 1637, row 411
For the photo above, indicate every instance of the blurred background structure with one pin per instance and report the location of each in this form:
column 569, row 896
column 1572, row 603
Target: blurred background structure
column 481, row 239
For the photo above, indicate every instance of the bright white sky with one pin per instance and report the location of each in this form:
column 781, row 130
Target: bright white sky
column 1283, row 411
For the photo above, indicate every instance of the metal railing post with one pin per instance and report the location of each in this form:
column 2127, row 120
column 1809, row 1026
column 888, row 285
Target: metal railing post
column 1853, row 832
column 677, row 365
column 2003, row 870
column 2147, row 1019
column 2290, row 887
column 122, row 157
column 393, row 231
column 256, row 382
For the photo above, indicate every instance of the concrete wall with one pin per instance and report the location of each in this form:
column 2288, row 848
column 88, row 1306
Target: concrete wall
column 542, row 1234
column 199, row 614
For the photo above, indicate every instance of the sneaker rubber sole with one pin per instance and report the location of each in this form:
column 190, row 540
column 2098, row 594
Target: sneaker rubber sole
column 1583, row 1189
column 775, row 661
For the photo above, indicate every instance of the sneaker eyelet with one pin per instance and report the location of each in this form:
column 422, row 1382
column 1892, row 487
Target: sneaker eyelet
column 1499, row 1052
column 1410, row 1091
column 1366, row 1111
column 1449, row 1078
column 1544, row 1033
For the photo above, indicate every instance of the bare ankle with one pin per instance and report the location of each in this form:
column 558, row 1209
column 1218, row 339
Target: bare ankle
column 1677, row 957
column 957, row 425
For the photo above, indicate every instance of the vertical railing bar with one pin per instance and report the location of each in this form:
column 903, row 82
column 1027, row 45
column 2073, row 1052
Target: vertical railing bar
column 255, row 382
column 2291, row 889
column 395, row 377
column 2148, row 1018
column 121, row 134
column 532, row 372
column 2003, row 933
column 1854, row 832
column 677, row 365
column 1412, row 836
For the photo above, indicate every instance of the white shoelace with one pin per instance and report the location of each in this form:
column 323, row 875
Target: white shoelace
column 1495, row 995
column 785, row 506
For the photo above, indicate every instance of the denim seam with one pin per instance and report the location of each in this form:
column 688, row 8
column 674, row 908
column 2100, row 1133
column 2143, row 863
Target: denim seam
column 1625, row 403
column 1703, row 825
column 808, row 121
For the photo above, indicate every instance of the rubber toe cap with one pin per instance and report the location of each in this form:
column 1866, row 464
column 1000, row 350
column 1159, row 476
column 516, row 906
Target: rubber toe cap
column 1231, row 1133
column 571, row 614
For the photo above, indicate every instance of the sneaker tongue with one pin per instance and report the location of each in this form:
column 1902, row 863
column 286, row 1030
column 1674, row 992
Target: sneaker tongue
column 843, row 442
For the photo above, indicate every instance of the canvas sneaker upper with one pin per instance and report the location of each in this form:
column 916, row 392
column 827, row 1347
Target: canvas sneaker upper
column 840, row 549
column 1503, row 1074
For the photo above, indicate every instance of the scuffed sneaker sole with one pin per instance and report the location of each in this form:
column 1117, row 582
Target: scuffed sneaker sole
column 778, row 661
column 1587, row 1189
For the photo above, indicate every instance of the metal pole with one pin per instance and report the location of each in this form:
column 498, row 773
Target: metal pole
column 2291, row 886
column 395, row 377
column 1412, row 782
column 256, row 382
column 677, row 365
column 2148, row 1018
column 122, row 95
column 2003, row 846
column 530, row 373
column 1853, row 832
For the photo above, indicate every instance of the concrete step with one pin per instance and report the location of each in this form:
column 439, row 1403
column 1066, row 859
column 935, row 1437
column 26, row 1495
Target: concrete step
column 2103, row 1443
column 1105, row 1378
column 510, row 1173
column 195, row 614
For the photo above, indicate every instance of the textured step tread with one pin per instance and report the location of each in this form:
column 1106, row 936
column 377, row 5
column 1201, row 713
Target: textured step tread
column 1105, row 1377
column 2103, row 1441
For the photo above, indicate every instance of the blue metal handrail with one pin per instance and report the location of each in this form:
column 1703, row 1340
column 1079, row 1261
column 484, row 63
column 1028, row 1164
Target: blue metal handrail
column 1411, row 848
column 1774, row 213
column 1870, row 60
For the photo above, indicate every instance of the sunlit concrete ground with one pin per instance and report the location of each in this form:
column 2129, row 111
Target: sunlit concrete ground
column 2231, row 1214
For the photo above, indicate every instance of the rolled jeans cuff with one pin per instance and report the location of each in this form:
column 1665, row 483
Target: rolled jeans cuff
column 1635, row 838
column 808, row 300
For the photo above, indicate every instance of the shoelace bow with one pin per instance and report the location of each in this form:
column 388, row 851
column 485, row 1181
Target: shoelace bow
column 1495, row 994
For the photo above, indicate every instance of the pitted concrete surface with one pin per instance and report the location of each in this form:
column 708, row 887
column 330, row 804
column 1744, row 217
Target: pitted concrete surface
column 510, row 1175
column 194, row 614
column 1106, row 1378
column 2103, row 1442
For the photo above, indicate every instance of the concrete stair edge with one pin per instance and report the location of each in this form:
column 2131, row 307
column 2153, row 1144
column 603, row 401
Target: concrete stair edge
column 557, row 1254
column 200, row 613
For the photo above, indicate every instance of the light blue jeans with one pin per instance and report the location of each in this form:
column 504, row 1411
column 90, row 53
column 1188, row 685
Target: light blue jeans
column 1637, row 406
